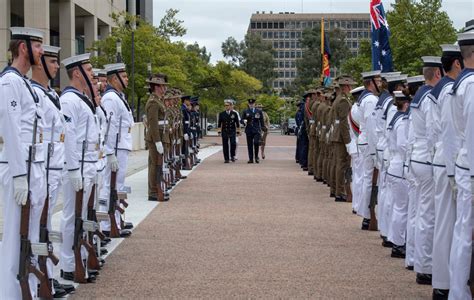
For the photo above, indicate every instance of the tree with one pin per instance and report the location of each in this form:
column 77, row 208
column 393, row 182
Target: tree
column 273, row 106
column 309, row 66
column 201, row 52
column 170, row 26
column 417, row 29
column 354, row 66
column 253, row 55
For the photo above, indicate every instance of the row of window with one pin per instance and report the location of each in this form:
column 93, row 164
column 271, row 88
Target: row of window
column 286, row 44
column 329, row 24
column 287, row 54
column 357, row 34
column 282, row 64
column 281, row 83
column 286, row 74
column 298, row 34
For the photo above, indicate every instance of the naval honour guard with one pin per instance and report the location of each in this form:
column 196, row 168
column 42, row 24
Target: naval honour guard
column 22, row 172
column 118, row 143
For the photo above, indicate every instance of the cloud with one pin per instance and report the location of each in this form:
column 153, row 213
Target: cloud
column 210, row 22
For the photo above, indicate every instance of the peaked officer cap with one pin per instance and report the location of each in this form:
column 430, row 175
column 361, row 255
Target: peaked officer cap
column 251, row 101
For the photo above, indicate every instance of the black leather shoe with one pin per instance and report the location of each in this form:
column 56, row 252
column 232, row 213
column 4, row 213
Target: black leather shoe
column 305, row 168
column 183, row 177
column 59, row 293
column 233, row 159
column 226, row 161
column 103, row 251
column 340, row 199
column 68, row 288
column 387, row 244
column 439, row 294
column 319, row 179
column 310, row 173
column 332, row 195
column 93, row 272
column 410, row 268
column 127, row 225
column 423, row 278
column 398, row 251
column 257, row 160
column 354, row 212
column 152, row 198
column 125, row 233
column 67, row 275
column 365, row 224
column 91, row 279
column 250, row 162
column 324, row 182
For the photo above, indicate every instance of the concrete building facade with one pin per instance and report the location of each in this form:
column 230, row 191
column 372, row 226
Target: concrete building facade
column 284, row 31
column 73, row 25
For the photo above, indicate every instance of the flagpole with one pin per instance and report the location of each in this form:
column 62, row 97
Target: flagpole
column 322, row 51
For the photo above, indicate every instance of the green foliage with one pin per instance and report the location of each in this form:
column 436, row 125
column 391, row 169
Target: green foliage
column 170, row 26
column 252, row 55
column 309, row 66
column 417, row 29
column 201, row 52
column 273, row 106
column 354, row 66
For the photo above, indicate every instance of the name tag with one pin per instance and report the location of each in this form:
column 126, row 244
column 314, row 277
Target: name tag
column 61, row 137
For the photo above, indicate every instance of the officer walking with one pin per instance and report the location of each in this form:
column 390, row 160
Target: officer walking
column 229, row 127
column 252, row 118
column 266, row 121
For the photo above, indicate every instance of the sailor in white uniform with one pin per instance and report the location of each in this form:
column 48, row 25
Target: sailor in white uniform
column 461, row 145
column 82, row 129
column 445, row 209
column 367, row 139
column 19, row 112
column 422, row 170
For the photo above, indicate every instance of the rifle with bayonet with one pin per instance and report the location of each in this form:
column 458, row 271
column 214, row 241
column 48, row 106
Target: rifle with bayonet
column 373, row 201
column 27, row 249
column 45, row 289
column 113, row 197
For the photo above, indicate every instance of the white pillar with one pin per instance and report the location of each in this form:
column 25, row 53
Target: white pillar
column 90, row 32
column 36, row 14
column 4, row 32
column 67, row 34
column 104, row 31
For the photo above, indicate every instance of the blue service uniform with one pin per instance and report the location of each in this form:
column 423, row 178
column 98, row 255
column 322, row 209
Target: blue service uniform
column 253, row 130
column 302, row 138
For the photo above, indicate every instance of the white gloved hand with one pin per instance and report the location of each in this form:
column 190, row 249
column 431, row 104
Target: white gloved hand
column 159, row 147
column 112, row 162
column 178, row 142
column 191, row 136
column 76, row 180
column 186, row 137
column 245, row 121
column 20, row 190
column 453, row 185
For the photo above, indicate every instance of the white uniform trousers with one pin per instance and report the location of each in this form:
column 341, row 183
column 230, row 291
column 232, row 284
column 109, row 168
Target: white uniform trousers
column 425, row 217
column 55, row 184
column 398, row 190
column 445, row 216
column 122, row 157
column 461, row 248
column 67, row 222
column 357, row 177
column 383, row 202
column 10, row 246
column 411, row 221
column 366, row 189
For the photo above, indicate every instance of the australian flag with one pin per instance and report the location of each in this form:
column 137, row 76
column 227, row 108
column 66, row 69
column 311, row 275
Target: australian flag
column 381, row 52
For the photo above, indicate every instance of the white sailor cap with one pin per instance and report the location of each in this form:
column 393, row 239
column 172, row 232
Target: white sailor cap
column 400, row 96
column 466, row 38
column 114, row 68
column 450, row 49
column 370, row 74
column 76, row 60
column 96, row 72
column 357, row 90
column 415, row 79
column 390, row 74
column 51, row 50
column 228, row 101
column 431, row 61
column 102, row 72
column 397, row 78
column 27, row 33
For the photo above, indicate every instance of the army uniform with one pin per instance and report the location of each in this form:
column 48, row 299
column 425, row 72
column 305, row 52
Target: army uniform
column 331, row 154
column 155, row 112
column 325, row 137
column 321, row 147
column 314, row 137
column 308, row 121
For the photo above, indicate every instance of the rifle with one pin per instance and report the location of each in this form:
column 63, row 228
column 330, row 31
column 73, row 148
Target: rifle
column 114, row 231
column 28, row 249
column 93, row 261
column 373, row 201
column 45, row 289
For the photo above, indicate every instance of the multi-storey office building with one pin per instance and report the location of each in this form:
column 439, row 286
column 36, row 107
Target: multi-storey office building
column 284, row 31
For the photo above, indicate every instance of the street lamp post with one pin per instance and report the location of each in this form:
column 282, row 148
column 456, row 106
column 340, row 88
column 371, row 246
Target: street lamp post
column 118, row 45
column 134, row 26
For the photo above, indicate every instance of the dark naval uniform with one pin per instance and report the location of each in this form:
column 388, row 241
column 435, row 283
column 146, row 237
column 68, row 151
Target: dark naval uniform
column 228, row 123
column 253, row 131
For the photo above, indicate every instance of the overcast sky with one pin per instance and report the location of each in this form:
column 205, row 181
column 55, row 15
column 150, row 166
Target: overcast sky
column 210, row 22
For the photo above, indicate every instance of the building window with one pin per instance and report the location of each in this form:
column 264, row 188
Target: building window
column 348, row 43
column 331, row 24
column 281, row 64
column 282, row 35
column 275, row 64
column 354, row 44
column 281, row 74
column 337, row 24
column 298, row 45
column 264, row 25
column 275, row 54
column 281, row 84
column 293, row 35
column 298, row 24
column 287, row 54
column 259, row 25
column 343, row 24
column 287, row 64
column 354, row 34
column 354, row 24
column 293, row 63
column 281, row 25
column 366, row 24
column 264, row 34
column 348, row 34
column 360, row 24
column 275, row 45
column 354, row 53
column 287, row 34
column 293, row 74
column 293, row 55
column 298, row 54
column 304, row 25
column 270, row 34
column 287, row 45
column 361, row 35
column 349, row 25
column 287, row 74
column 282, row 44
column 366, row 35
column 270, row 25
column 275, row 84
column 298, row 34
column 293, row 44
column 252, row 25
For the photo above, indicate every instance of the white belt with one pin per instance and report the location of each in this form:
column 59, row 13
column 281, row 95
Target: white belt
column 311, row 121
column 90, row 146
column 163, row 122
column 193, row 128
column 186, row 122
column 324, row 126
column 57, row 138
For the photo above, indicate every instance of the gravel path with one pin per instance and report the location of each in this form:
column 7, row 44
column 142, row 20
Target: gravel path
column 253, row 231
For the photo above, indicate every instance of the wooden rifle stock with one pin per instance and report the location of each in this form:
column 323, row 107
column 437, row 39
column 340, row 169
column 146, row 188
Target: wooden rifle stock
column 373, row 200
column 92, row 260
column 79, row 271
column 114, row 231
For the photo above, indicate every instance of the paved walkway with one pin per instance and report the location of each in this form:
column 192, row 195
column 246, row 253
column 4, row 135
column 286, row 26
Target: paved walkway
column 252, row 231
